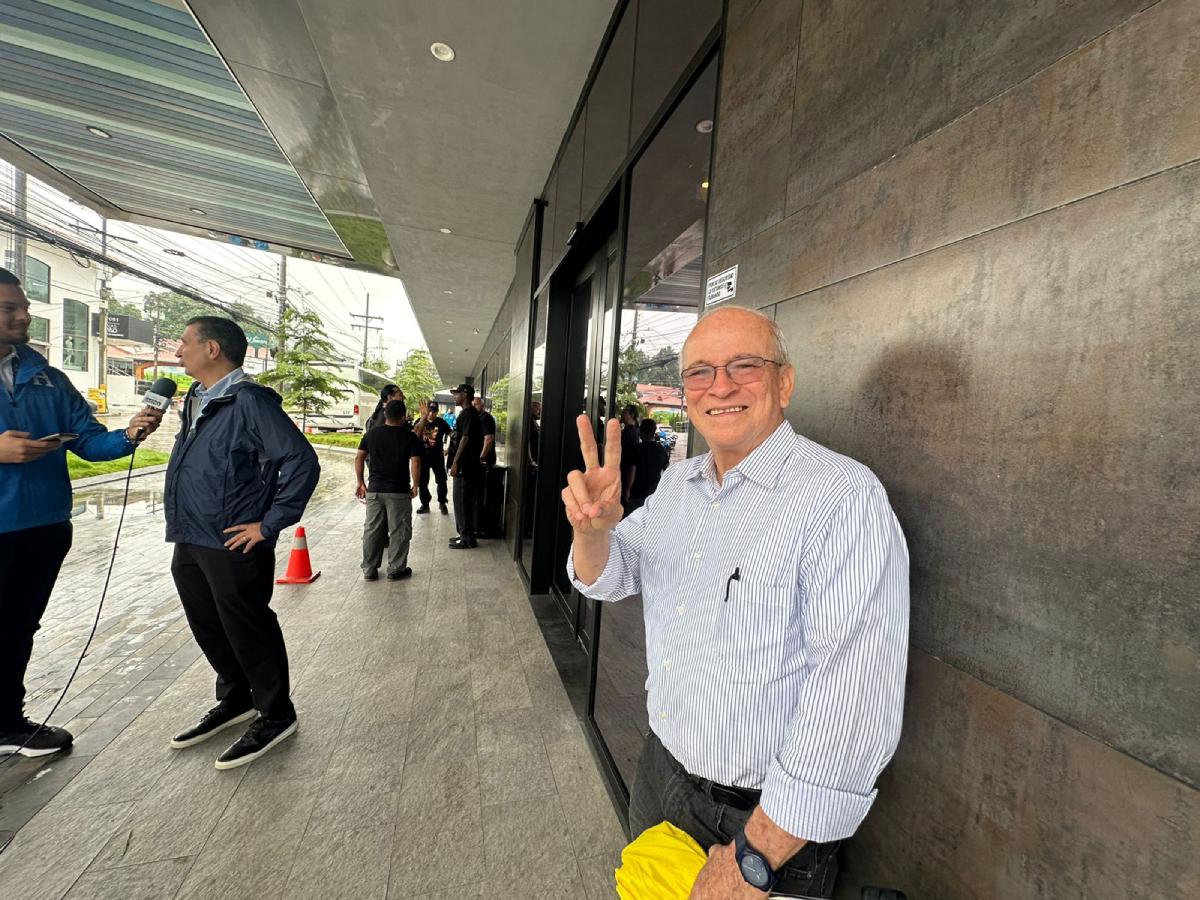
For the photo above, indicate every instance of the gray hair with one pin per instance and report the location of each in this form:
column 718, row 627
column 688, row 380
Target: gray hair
column 779, row 348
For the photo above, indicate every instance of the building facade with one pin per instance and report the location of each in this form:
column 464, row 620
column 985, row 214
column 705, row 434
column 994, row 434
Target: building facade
column 976, row 225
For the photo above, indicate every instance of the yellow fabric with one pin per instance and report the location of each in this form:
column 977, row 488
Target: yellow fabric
column 661, row 864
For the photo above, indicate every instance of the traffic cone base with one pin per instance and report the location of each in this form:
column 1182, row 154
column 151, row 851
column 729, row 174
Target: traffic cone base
column 299, row 569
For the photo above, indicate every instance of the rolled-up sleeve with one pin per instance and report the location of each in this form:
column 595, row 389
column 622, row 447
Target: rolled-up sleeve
column 854, row 591
column 622, row 575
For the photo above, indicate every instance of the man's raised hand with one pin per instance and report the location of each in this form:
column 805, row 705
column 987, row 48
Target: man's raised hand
column 593, row 497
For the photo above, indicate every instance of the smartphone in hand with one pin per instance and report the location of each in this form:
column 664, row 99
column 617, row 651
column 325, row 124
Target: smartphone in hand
column 62, row 437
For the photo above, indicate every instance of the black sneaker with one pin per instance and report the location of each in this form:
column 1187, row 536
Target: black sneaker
column 423, row 509
column 373, row 575
column 34, row 739
column 445, row 512
column 406, row 572
column 261, row 736
column 218, row 718
column 463, row 544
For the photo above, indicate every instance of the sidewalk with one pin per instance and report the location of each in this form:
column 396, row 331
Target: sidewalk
column 437, row 756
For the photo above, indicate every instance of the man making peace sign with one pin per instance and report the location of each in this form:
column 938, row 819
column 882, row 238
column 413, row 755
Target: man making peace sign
column 774, row 580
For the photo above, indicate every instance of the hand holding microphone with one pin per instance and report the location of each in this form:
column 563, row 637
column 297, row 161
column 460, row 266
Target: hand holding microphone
column 158, row 401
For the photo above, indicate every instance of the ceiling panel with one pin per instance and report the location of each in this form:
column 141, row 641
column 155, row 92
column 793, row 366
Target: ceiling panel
column 183, row 134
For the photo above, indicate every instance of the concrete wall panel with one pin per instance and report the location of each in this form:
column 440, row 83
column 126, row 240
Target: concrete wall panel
column 754, row 138
column 1029, row 399
column 1018, row 805
column 1121, row 108
column 877, row 75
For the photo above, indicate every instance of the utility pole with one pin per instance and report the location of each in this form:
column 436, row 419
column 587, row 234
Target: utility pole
column 102, row 318
column 21, row 211
column 282, row 300
column 366, row 326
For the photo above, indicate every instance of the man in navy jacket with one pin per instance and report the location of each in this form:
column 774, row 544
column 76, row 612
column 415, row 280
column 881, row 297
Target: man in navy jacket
column 37, row 400
column 239, row 474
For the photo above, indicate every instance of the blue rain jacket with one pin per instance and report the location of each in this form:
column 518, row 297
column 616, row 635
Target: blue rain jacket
column 245, row 461
column 45, row 402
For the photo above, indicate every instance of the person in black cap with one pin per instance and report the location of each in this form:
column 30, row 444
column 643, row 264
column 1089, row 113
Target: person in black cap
column 466, row 468
column 433, row 431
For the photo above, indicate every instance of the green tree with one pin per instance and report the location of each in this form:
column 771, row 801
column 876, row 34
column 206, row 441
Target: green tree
column 121, row 308
column 417, row 377
column 498, row 394
column 174, row 310
column 377, row 365
column 301, row 373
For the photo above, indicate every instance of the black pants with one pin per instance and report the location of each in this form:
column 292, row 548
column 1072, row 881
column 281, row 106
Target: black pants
column 226, row 595
column 433, row 461
column 664, row 791
column 29, row 564
column 468, row 491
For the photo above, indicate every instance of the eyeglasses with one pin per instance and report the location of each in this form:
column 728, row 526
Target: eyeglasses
column 743, row 370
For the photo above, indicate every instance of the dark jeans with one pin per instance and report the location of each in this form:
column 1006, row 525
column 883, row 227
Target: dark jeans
column 227, row 595
column 664, row 791
column 29, row 564
column 436, row 463
column 468, row 493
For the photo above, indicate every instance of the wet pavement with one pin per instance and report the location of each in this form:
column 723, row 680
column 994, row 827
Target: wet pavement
column 438, row 755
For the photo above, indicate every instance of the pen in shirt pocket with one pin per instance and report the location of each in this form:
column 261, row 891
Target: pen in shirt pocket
column 736, row 576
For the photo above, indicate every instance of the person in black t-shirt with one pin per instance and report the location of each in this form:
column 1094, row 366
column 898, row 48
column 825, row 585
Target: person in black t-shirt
column 650, row 459
column 488, row 424
column 394, row 453
column 466, row 469
column 434, row 431
column 629, row 446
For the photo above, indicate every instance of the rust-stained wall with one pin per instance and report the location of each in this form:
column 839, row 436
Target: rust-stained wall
column 978, row 224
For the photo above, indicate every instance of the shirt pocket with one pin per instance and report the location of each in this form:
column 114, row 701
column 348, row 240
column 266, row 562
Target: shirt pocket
column 756, row 623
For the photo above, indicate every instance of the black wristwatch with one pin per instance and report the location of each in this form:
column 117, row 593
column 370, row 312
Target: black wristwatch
column 754, row 866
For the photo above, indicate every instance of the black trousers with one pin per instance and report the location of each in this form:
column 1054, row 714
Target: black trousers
column 29, row 563
column 664, row 791
column 468, row 491
column 226, row 595
column 433, row 461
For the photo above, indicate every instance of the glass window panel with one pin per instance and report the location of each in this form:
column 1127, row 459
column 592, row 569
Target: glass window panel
column 39, row 330
column 660, row 300
column 669, row 34
column 37, row 280
column 607, row 138
column 550, row 195
column 75, row 336
column 570, row 178
column 533, row 433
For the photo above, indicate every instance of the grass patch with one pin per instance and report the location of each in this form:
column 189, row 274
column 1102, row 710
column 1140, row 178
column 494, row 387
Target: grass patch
column 335, row 439
column 81, row 468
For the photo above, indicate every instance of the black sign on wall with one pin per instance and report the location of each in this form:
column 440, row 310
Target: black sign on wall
column 125, row 328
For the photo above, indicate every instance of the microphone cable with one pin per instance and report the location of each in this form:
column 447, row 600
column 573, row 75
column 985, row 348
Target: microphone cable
column 95, row 624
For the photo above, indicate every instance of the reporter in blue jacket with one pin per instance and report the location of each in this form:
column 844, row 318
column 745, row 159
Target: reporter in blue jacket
column 35, row 503
column 239, row 474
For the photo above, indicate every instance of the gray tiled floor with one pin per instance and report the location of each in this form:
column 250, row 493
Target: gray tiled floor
column 437, row 756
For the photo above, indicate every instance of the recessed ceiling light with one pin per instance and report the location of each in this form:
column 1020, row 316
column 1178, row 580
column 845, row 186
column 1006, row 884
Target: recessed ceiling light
column 448, row 322
column 704, row 184
column 450, row 340
column 477, row 331
column 197, row 210
column 447, row 292
column 445, row 231
column 440, row 51
column 704, row 126
column 98, row 132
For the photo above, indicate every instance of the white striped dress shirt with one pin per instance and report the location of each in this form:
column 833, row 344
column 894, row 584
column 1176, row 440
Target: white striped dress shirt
column 795, row 684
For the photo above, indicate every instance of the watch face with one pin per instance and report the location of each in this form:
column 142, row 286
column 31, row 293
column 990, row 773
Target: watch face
column 754, row 870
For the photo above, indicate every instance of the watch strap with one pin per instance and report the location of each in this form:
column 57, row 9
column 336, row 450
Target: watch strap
column 743, row 848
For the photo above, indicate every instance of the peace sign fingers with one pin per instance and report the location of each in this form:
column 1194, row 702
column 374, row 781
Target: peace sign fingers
column 587, row 443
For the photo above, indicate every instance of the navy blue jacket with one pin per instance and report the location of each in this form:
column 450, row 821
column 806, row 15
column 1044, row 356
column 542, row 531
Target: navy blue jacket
column 45, row 402
column 245, row 461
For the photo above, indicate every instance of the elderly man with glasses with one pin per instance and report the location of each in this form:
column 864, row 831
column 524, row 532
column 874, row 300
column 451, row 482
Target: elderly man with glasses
column 774, row 580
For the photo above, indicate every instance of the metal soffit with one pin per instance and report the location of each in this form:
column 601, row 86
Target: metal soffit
column 183, row 136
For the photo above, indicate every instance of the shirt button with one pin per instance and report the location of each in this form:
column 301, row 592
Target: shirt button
column 716, row 504
column 696, row 555
column 667, row 664
column 663, row 715
column 680, row 608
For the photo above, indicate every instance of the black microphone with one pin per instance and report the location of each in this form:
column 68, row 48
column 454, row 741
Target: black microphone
column 158, row 397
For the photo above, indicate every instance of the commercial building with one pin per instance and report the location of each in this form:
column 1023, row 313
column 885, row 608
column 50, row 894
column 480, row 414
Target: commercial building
column 976, row 224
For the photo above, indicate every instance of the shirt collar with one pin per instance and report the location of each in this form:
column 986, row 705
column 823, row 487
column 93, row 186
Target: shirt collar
column 762, row 465
column 221, row 386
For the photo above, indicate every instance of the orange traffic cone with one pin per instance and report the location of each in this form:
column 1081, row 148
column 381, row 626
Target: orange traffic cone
column 299, row 570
